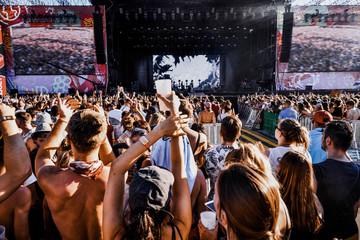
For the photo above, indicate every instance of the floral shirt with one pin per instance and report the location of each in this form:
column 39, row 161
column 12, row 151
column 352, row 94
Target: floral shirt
column 214, row 160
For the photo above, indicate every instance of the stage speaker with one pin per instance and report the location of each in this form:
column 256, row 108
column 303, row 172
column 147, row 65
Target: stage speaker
column 99, row 38
column 13, row 91
column 72, row 91
column 308, row 87
column 286, row 36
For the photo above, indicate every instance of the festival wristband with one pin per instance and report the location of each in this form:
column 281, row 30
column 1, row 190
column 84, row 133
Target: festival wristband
column 5, row 118
column 145, row 142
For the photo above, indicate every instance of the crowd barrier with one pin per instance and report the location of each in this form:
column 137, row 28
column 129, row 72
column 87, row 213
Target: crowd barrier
column 306, row 122
column 213, row 132
column 244, row 111
column 270, row 120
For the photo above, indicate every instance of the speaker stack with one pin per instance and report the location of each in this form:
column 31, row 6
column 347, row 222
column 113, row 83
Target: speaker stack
column 286, row 36
column 99, row 38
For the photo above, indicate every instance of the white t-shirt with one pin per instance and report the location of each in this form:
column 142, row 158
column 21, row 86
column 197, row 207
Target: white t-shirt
column 277, row 153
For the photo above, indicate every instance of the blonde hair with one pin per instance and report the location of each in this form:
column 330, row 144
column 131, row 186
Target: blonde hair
column 249, row 154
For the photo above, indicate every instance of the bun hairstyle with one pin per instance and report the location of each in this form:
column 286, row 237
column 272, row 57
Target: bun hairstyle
column 241, row 188
column 293, row 132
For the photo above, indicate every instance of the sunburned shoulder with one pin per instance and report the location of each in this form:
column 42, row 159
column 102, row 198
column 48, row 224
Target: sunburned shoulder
column 55, row 177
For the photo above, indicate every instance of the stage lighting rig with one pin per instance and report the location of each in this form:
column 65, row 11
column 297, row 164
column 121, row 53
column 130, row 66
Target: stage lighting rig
column 145, row 15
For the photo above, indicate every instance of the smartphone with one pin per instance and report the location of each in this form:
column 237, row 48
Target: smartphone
column 210, row 205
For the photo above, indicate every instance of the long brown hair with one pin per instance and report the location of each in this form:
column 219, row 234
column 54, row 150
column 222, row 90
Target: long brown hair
column 293, row 132
column 251, row 201
column 296, row 177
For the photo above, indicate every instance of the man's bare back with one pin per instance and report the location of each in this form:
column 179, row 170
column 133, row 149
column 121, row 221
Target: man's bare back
column 76, row 202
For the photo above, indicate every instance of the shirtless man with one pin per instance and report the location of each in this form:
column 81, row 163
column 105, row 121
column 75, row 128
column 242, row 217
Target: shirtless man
column 75, row 195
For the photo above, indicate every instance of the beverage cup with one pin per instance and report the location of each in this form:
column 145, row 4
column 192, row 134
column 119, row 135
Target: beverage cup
column 208, row 219
column 163, row 87
column 2, row 232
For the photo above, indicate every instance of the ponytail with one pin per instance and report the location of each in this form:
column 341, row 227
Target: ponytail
column 143, row 227
column 294, row 132
column 303, row 137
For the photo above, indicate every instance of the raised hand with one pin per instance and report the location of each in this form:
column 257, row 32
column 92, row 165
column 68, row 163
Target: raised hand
column 67, row 106
column 172, row 126
column 99, row 109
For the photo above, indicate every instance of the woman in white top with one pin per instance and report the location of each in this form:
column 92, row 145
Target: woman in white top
column 290, row 136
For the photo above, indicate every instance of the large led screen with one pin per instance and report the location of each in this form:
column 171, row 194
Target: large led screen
column 53, row 50
column 325, row 40
column 325, row 49
column 333, row 48
column 203, row 71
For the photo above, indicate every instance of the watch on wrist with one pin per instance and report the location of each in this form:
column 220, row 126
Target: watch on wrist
column 145, row 142
column 5, row 118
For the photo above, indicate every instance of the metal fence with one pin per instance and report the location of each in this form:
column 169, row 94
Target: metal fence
column 213, row 133
column 251, row 116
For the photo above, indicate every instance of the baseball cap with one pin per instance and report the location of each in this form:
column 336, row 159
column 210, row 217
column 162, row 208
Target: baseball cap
column 207, row 104
column 150, row 188
column 323, row 117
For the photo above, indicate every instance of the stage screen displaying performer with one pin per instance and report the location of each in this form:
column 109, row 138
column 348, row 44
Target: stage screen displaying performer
column 53, row 51
column 199, row 72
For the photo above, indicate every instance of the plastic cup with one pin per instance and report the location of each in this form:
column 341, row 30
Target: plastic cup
column 208, row 219
column 163, row 87
column 2, row 232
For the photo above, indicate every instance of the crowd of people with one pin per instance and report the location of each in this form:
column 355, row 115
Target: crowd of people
column 116, row 167
column 325, row 49
column 344, row 106
column 46, row 51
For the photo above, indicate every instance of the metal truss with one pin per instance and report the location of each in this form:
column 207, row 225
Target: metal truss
column 45, row 2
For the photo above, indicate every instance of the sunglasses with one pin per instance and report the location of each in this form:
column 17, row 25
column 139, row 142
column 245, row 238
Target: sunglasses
column 277, row 127
column 140, row 131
